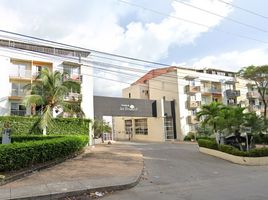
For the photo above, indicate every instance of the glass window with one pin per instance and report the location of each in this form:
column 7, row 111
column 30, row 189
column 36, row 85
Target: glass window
column 128, row 126
column 141, row 126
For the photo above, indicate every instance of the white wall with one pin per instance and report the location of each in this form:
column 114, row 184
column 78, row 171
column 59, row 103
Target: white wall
column 5, row 86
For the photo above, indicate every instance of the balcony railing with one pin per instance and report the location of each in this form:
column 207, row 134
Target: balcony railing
column 254, row 108
column 18, row 93
column 18, row 112
column 20, row 74
column 211, row 90
column 192, row 119
column 232, row 93
column 72, row 77
column 192, row 104
column 192, row 89
column 253, row 95
column 73, row 97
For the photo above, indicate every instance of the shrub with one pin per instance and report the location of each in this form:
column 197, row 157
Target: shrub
column 19, row 155
column 232, row 150
column 258, row 152
column 62, row 126
column 261, row 138
column 208, row 144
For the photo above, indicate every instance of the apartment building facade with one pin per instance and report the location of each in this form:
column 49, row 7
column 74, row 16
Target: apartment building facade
column 188, row 89
column 20, row 64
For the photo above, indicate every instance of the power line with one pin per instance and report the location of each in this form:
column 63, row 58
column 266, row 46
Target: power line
column 223, row 17
column 244, row 9
column 83, row 49
column 192, row 22
column 158, row 79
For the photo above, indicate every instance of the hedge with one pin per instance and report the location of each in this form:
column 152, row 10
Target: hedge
column 22, row 125
column 261, row 152
column 19, row 155
column 25, row 138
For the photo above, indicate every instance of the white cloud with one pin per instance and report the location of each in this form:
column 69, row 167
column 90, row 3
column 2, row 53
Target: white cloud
column 233, row 61
column 96, row 25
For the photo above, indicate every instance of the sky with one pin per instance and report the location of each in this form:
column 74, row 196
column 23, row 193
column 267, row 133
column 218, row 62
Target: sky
column 149, row 30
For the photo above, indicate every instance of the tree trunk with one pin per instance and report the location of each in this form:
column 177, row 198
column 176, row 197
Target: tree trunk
column 45, row 131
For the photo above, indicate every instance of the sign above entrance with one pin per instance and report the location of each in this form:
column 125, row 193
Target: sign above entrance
column 129, row 107
column 112, row 106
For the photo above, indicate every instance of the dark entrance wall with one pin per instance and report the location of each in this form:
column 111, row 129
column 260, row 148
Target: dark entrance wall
column 113, row 106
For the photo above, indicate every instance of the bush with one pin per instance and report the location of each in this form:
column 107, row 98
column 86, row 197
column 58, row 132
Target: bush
column 261, row 138
column 232, row 150
column 208, row 144
column 62, row 126
column 19, row 155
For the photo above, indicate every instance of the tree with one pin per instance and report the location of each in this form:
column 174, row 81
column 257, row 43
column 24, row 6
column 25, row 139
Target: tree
column 210, row 114
column 258, row 74
column 48, row 91
column 100, row 127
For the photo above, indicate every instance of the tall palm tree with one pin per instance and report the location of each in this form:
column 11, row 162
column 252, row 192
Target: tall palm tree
column 48, row 91
column 210, row 114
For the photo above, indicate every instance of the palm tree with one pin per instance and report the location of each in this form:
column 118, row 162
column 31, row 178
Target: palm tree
column 210, row 114
column 100, row 127
column 48, row 91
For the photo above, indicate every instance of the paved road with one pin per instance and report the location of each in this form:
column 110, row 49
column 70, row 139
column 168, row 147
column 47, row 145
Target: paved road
column 179, row 171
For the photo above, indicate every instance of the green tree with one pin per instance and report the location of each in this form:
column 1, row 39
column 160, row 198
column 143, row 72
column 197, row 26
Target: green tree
column 210, row 115
column 259, row 75
column 48, row 91
column 100, row 127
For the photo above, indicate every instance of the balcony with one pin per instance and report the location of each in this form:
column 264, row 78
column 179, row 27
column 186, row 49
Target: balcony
column 192, row 119
column 254, row 108
column 72, row 77
column 20, row 74
column 216, row 90
column 253, row 95
column 192, row 104
column 73, row 97
column 192, row 89
column 232, row 93
column 18, row 112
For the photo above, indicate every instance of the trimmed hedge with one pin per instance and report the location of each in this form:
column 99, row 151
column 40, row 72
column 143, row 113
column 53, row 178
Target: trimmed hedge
column 19, row 155
column 208, row 144
column 232, row 150
column 62, row 126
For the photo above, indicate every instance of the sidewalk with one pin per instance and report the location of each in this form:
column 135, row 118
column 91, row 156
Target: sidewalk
column 103, row 168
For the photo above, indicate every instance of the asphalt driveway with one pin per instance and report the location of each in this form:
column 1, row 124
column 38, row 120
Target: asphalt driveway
column 180, row 171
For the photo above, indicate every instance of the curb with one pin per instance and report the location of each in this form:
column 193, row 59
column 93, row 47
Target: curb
column 86, row 191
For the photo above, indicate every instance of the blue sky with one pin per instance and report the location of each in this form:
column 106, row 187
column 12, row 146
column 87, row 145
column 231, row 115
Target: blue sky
column 116, row 27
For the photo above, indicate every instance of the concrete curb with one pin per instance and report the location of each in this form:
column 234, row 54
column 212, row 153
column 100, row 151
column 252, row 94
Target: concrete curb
column 83, row 191
column 251, row 161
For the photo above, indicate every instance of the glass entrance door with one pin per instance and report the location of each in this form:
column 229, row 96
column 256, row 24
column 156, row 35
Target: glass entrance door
column 169, row 130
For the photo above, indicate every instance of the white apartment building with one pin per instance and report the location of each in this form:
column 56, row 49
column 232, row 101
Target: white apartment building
column 20, row 63
column 188, row 89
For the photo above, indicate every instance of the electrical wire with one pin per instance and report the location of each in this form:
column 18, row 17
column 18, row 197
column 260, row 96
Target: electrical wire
column 244, row 9
column 223, row 17
column 192, row 22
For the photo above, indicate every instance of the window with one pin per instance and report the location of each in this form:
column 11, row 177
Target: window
column 192, row 82
column 128, row 126
column 141, row 127
column 129, row 95
column 17, row 109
